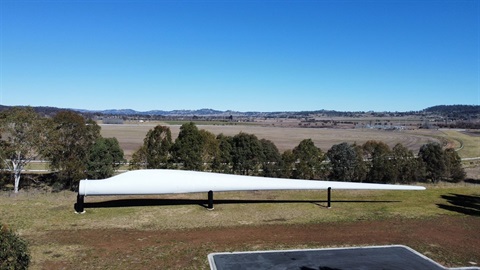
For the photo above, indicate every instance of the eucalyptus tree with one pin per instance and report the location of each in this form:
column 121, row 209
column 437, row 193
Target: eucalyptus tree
column 361, row 169
column 272, row 159
column 223, row 161
column 210, row 149
column 69, row 141
column 23, row 135
column 158, row 143
column 139, row 159
column 155, row 153
column 247, row 154
column 343, row 162
column 381, row 167
column 308, row 161
column 104, row 157
column 453, row 164
column 188, row 147
column 407, row 168
column 432, row 156
column 288, row 164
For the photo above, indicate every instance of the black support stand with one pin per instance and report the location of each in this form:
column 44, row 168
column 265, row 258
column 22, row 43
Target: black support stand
column 329, row 197
column 79, row 205
column 210, row 200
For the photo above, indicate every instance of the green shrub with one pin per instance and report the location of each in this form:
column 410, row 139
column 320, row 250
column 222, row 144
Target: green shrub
column 13, row 250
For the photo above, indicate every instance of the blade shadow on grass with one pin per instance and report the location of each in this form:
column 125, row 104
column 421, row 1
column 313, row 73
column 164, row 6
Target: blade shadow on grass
column 204, row 203
column 464, row 204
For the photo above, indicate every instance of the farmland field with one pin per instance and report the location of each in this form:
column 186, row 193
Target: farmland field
column 131, row 136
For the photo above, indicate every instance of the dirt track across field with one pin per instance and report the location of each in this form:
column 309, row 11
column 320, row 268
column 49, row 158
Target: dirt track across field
column 449, row 240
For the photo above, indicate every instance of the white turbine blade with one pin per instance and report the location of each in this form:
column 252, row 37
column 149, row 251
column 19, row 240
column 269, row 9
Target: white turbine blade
column 150, row 182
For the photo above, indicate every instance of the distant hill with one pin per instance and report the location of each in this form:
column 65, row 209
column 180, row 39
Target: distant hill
column 42, row 110
column 125, row 112
column 455, row 111
column 450, row 111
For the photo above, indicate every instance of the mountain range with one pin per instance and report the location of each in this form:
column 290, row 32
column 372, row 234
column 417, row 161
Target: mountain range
column 200, row 112
column 443, row 110
column 446, row 110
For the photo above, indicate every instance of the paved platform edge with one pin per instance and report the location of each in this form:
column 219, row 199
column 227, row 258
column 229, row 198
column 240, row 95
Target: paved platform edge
column 211, row 259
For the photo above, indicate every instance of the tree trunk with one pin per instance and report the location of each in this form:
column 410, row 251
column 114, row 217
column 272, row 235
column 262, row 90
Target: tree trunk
column 17, row 170
column 17, row 181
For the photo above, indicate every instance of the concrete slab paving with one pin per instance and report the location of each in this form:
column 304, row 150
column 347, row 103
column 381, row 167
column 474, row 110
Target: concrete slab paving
column 357, row 258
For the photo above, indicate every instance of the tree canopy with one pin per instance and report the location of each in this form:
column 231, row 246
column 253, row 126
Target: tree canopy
column 105, row 156
column 308, row 160
column 223, row 160
column 23, row 135
column 380, row 155
column 453, row 166
column 432, row 156
column 407, row 168
column 188, row 147
column 246, row 153
column 272, row 160
column 157, row 146
column 69, row 144
column 343, row 162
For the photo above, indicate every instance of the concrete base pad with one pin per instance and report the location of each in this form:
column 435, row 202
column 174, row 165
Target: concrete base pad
column 361, row 258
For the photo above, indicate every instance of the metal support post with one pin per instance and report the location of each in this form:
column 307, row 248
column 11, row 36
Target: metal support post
column 210, row 200
column 79, row 208
column 329, row 197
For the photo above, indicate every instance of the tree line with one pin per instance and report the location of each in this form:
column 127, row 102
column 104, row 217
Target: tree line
column 245, row 154
column 72, row 145
column 76, row 150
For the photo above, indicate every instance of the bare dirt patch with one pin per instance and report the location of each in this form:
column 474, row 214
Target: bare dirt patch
column 450, row 240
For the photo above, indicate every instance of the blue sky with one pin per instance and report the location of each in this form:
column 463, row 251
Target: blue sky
column 240, row 55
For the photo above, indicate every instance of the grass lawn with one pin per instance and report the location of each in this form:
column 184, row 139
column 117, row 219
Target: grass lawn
column 177, row 230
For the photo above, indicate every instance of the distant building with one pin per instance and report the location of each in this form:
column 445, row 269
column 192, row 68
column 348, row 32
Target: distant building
column 112, row 121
